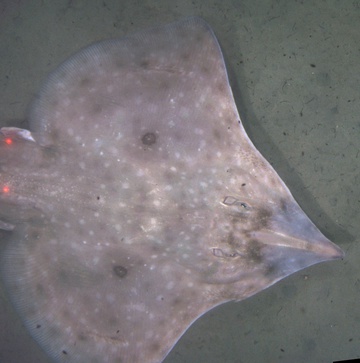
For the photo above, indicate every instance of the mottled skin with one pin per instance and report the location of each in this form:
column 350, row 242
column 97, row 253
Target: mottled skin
column 138, row 202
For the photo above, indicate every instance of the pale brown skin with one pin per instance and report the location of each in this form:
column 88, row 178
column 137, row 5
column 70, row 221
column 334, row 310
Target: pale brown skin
column 137, row 202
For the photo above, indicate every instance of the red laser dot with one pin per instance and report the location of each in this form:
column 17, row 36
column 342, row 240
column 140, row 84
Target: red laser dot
column 8, row 141
column 6, row 189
